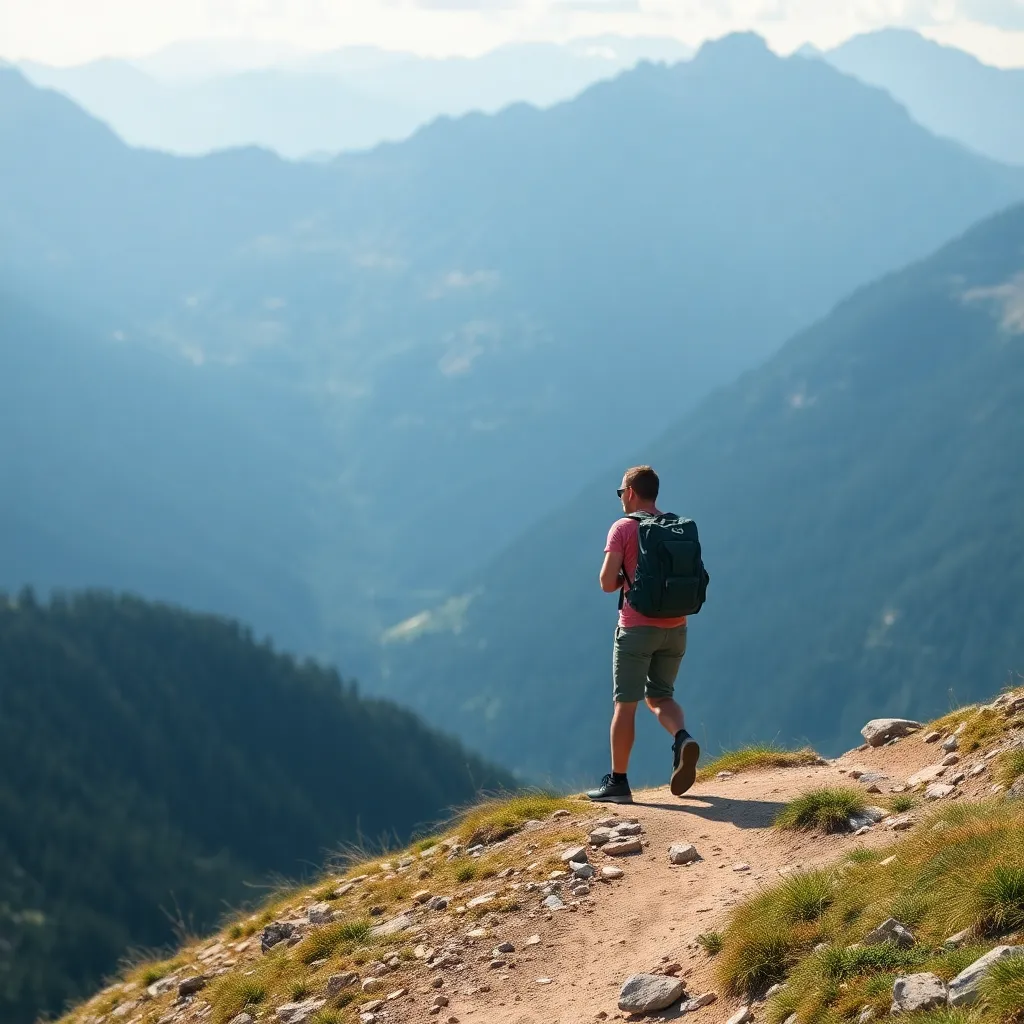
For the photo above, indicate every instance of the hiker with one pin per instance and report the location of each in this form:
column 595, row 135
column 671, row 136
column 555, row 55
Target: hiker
column 654, row 561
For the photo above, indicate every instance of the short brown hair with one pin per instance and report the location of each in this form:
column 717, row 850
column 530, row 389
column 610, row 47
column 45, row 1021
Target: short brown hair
column 644, row 481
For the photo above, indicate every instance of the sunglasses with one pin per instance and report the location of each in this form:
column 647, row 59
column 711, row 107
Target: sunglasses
column 621, row 491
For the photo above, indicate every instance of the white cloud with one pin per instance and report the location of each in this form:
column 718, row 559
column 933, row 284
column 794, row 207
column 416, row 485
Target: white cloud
column 66, row 31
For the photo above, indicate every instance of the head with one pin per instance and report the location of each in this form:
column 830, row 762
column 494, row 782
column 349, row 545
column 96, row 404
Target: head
column 639, row 489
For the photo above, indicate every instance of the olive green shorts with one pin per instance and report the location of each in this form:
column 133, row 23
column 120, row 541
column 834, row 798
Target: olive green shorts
column 645, row 662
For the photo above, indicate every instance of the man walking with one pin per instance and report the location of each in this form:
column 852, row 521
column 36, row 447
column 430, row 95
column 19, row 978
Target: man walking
column 647, row 651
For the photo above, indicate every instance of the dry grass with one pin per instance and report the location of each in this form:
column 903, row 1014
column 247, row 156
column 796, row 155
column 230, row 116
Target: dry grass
column 498, row 819
column 827, row 809
column 1010, row 766
column 967, row 875
column 758, row 757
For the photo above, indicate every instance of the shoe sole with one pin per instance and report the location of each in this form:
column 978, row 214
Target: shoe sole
column 611, row 799
column 685, row 773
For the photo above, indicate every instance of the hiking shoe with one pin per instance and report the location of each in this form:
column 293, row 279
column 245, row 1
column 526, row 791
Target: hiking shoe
column 685, row 754
column 611, row 792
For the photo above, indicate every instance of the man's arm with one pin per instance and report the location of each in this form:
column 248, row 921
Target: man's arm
column 611, row 570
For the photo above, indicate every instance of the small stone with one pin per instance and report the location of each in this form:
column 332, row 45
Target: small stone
column 533, row 940
column 890, row 931
column 724, row 775
column 505, row 947
column 498, row 963
column 741, row 867
column 918, row 992
column 949, row 760
column 901, row 823
column 741, row 1016
column 337, row 982
column 647, row 993
column 611, row 872
column 880, row 730
column 561, row 813
column 933, row 737
column 866, row 1015
column 241, row 1018
column 275, row 933
column 692, row 1005
column 623, row 847
column 600, row 836
column 397, row 994
column 957, row 940
column 554, row 903
column 951, row 744
column 299, row 1013
column 477, row 933
column 774, row 990
column 190, row 986
column 320, row 913
column 977, row 770
column 680, row 853
column 888, row 860
column 963, row 989
column 437, row 981
column 422, row 896
column 575, row 853
column 938, row 791
column 583, row 871
column 399, row 924
column 481, row 901
column 371, row 985
column 926, row 775
column 437, row 903
column 543, row 981
column 628, row 828
column 439, row 1001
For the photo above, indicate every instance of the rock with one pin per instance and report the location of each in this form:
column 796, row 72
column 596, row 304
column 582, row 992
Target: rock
column 580, row 889
column 371, row 985
column 611, row 872
column 918, row 992
column 533, row 940
column 1016, row 791
column 321, row 913
column 241, row 1018
column 481, row 901
column 859, row 823
column 880, row 730
column 949, row 760
column 600, row 836
column 741, row 867
column 724, row 775
column 274, row 933
column 680, row 853
column 575, row 853
column 963, row 989
column 337, row 982
column 623, row 847
column 190, row 986
column 629, row 828
column 397, row 994
column 957, row 940
column 951, row 744
column 741, row 1016
column 299, row 1013
column 774, row 990
column 560, row 813
column 926, row 775
column 870, row 778
column 977, row 770
column 422, row 896
column 955, row 780
column 583, row 871
column 437, row 903
column 554, row 903
column 867, row 1014
column 876, row 814
column 891, row 931
column 647, row 993
column 933, row 737
column 394, row 926
column 497, row 963
column 791, row 1019
column 873, row 788
column 937, row 791
column 901, row 823
column 692, row 1005
column 505, row 947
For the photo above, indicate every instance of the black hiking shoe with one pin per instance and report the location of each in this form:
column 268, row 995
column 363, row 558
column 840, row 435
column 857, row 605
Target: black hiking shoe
column 611, row 792
column 685, row 754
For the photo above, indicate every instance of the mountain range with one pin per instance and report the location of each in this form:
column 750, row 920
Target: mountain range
column 948, row 91
column 492, row 311
column 859, row 502
column 159, row 768
column 306, row 104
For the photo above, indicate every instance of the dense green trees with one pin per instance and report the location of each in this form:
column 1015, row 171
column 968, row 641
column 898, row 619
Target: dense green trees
column 155, row 765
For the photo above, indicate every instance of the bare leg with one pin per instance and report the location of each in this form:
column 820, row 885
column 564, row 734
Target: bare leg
column 667, row 712
column 623, row 734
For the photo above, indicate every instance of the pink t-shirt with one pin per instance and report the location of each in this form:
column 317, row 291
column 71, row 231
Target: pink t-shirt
column 623, row 538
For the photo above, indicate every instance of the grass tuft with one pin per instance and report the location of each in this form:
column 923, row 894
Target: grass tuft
column 758, row 756
column 900, row 803
column 322, row 942
column 1002, row 988
column 497, row 819
column 827, row 809
column 710, row 942
column 1011, row 766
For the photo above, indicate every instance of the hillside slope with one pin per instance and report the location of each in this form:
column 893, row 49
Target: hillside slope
column 948, row 91
column 538, row 911
column 858, row 498
column 158, row 767
column 455, row 310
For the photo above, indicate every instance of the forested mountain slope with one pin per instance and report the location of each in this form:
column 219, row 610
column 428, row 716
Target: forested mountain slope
column 159, row 767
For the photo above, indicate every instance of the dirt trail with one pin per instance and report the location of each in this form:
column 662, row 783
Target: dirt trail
column 653, row 915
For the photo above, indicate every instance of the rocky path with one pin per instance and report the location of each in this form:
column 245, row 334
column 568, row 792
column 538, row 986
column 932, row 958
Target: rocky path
column 648, row 920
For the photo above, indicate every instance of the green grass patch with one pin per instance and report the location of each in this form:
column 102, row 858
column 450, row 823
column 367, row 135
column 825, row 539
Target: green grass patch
column 758, row 756
column 982, row 726
column 494, row 820
column 322, row 942
column 1010, row 766
column 230, row 994
column 967, row 875
column 826, row 809
column 900, row 803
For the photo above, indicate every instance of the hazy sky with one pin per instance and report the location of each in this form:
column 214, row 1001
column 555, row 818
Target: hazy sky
column 69, row 31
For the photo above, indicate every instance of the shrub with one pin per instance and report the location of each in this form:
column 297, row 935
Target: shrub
column 710, row 942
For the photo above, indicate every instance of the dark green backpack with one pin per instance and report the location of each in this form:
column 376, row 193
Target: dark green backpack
column 671, row 580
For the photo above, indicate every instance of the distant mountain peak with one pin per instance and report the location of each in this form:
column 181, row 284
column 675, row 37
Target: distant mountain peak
column 734, row 47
